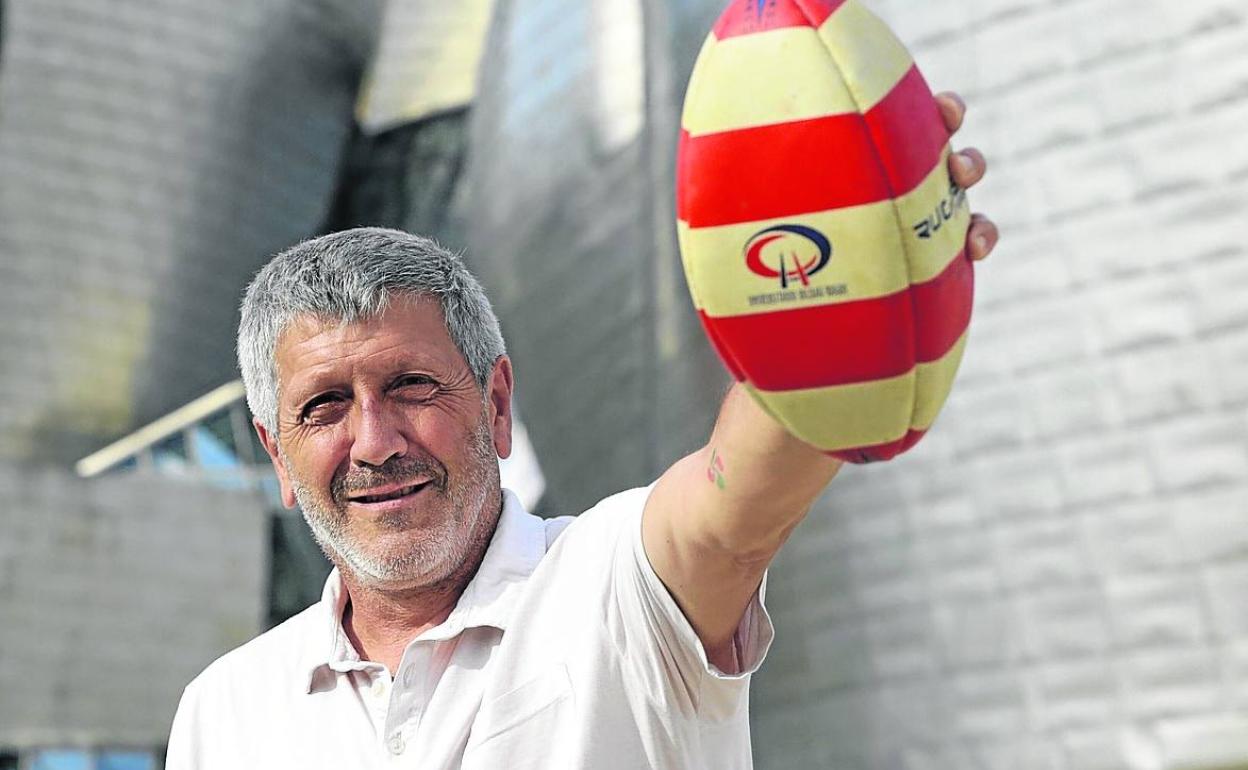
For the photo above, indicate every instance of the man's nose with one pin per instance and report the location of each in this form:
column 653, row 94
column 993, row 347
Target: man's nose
column 378, row 435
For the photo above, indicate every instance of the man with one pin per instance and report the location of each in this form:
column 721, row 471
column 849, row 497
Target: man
column 457, row 630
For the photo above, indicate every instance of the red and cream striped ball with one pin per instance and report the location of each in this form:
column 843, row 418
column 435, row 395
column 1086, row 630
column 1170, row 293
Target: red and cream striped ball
column 822, row 237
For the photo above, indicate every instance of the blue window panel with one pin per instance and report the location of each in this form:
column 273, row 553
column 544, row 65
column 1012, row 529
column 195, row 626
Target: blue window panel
column 211, row 451
column 169, row 455
column 61, row 759
column 218, row 459
column 126, row 760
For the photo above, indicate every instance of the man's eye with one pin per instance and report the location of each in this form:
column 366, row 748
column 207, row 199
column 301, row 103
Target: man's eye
column 323, row 409
column 415, row 382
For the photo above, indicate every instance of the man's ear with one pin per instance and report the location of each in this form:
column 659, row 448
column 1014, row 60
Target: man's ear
column 283, row 475
column 501, row 386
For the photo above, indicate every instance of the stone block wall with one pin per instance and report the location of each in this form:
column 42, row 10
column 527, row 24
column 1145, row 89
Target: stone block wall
column 114, row 594
column 1058, row 576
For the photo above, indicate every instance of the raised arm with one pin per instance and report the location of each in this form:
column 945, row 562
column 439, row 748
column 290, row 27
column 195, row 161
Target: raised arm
column 717, row 517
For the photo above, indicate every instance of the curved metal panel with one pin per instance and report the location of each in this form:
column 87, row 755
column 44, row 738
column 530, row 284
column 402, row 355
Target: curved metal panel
column 152, row 156
column 570, row 176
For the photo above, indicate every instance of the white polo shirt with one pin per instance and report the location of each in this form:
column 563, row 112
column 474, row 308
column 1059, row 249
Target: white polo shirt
column 564, row 651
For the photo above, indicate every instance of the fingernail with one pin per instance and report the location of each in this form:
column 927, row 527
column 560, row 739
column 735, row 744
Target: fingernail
column 981, row 244
column 965, row 164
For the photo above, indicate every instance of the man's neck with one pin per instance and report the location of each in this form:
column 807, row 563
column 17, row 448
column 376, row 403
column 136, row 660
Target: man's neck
column 381, row 623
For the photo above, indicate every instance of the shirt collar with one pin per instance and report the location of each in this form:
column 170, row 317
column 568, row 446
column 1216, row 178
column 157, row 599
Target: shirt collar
column 489, row 599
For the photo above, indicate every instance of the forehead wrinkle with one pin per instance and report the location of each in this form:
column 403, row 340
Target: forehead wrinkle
column 404, row 352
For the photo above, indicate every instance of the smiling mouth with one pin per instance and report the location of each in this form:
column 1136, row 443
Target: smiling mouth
column 392, row 495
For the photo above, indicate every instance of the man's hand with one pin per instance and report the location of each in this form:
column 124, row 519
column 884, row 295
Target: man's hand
column 967, row 167
column 717, row 517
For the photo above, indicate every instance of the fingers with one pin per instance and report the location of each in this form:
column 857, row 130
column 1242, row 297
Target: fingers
column 967, row 167
column 952, row 109
column 982, row 238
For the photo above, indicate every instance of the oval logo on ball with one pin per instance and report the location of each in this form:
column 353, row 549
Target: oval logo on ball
column 797, row 253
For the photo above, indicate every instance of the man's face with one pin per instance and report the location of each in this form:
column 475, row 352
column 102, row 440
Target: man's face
column 388, row 444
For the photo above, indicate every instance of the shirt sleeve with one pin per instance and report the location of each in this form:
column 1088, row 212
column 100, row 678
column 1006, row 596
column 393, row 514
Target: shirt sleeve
column 713, row 693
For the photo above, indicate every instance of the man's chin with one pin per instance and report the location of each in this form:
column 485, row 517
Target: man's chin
column 397, row 576
column 390, row 562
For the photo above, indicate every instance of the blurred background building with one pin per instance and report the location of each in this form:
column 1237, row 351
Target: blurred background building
column 1056, row 578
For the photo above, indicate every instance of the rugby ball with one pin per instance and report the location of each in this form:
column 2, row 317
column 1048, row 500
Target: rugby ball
column 822, row 237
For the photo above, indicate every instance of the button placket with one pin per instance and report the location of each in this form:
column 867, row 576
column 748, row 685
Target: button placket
column 396, row 744
column 378, row 701
column 409, row 694
column 380, row 687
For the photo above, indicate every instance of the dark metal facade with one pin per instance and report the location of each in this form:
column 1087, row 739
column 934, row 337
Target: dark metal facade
column 572, row 231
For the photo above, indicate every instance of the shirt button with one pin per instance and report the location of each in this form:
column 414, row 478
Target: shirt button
column 396, row 744
column 379, row 688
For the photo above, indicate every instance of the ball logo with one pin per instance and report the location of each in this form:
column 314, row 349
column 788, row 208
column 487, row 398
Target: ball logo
column 789, row 253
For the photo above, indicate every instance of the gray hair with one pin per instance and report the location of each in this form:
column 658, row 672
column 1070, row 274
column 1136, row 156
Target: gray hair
column 351, row 276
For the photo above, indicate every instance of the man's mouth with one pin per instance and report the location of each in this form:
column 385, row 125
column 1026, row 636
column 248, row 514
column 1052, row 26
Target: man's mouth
column 385, row 495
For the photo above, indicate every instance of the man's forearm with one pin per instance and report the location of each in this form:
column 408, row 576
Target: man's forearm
column 764, row 479
column 718, row 516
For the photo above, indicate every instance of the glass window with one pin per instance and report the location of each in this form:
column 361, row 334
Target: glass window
column 211, row 451
column 170, row 453
column 77, row 759
column 221, row 428
column 126, row 760
column 61, row 759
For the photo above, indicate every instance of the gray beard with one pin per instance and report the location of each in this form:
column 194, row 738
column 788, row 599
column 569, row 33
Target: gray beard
column 430, row 558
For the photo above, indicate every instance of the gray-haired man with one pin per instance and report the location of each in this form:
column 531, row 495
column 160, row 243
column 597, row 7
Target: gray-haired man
column 457, row 630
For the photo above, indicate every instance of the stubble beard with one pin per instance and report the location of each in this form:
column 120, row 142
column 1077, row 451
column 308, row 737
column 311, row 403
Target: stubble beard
column 429, row 557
